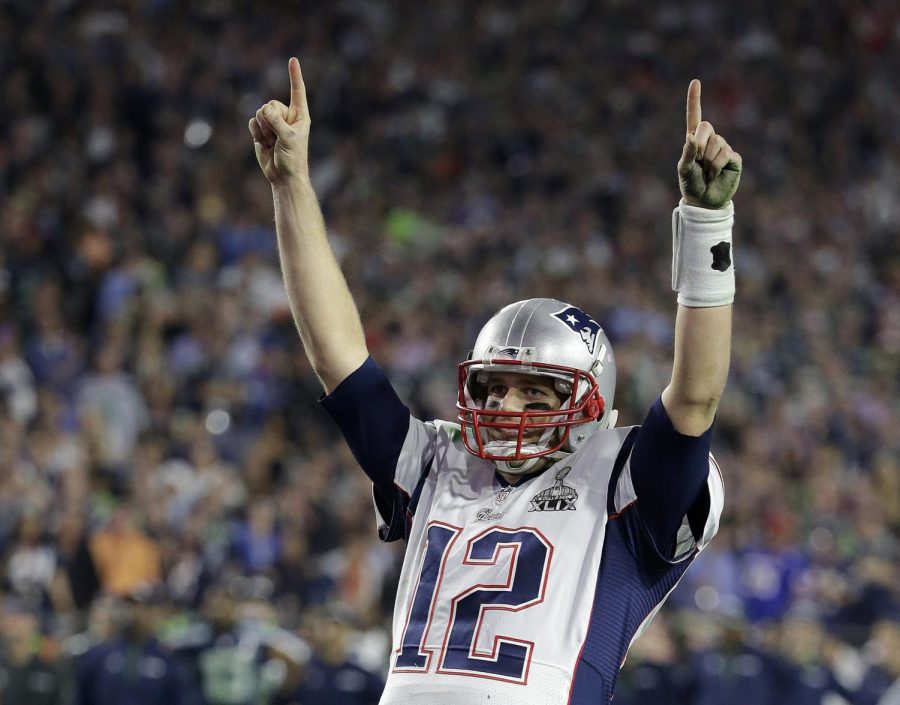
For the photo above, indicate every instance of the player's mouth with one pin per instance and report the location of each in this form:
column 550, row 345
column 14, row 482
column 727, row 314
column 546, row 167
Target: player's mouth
column 511, row 434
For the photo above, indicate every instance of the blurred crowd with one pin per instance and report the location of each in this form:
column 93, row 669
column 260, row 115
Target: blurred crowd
column 180, row 523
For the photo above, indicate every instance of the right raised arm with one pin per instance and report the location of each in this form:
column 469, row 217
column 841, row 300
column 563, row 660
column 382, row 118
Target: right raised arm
column 322, row 306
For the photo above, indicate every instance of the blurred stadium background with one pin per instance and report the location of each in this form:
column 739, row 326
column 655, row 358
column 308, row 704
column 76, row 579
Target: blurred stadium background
column 179, row 522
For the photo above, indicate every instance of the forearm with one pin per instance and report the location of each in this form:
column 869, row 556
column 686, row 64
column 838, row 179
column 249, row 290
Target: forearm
column 700, row 369
column 321, row 304
column 703, row 276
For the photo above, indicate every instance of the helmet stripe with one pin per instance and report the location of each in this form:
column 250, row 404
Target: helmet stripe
column 534, row 310
column 512, row 323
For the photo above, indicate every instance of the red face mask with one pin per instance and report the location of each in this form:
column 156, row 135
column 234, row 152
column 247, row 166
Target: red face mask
column 475, row 420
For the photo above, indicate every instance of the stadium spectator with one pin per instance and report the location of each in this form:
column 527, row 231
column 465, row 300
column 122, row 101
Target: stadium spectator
column 32, row 669
column 131, row 667
column 733, row 670
column 235, row 655
column 880, row 684
column 331, row 676
column 125, row 557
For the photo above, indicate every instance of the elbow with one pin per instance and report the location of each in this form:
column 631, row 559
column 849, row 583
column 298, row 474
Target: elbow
column 695, row 396
column 334, row 369
column 691, row 414
column 700, row 392
column 701, row 403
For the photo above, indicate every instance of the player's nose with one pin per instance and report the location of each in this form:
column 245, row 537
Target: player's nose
column 512, row 401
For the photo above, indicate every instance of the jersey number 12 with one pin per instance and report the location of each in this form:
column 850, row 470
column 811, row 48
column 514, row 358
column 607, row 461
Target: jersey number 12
column 508, row 658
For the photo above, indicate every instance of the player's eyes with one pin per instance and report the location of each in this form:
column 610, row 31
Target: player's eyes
column 501, row 390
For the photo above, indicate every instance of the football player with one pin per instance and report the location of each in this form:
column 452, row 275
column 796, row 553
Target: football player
column 540, row 538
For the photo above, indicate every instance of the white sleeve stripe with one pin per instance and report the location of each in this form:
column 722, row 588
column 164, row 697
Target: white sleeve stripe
column 625, row 492
column 716, row 487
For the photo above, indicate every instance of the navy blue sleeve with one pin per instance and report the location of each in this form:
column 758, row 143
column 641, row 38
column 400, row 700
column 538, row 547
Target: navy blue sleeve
column 373, row 421
column 669, row 472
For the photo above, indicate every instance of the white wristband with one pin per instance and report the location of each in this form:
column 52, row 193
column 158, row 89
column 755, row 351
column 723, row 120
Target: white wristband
column 702, row 269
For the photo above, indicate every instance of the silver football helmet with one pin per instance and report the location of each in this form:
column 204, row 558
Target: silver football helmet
column 538, row 337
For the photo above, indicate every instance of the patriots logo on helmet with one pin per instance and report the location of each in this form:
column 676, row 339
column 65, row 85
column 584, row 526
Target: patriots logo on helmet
column 579, row 322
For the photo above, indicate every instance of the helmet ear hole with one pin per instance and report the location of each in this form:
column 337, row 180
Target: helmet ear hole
column 562, row 386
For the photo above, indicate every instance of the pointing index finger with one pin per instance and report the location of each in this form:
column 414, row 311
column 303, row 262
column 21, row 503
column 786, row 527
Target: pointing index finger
column 298, row 105
column 693, row 106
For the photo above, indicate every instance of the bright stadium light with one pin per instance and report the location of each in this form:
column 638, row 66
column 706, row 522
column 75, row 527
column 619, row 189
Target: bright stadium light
column 197, row 133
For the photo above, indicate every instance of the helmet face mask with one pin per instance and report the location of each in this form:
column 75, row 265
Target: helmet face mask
column 553, row 425
column 552, row 340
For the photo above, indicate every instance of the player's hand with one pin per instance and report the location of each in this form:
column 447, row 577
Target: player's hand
column 281, row 132
column 709, row 170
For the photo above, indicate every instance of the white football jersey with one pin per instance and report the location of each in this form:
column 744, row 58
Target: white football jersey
column 529, row 593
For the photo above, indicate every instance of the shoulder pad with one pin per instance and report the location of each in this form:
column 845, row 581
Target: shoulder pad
column 448, row 428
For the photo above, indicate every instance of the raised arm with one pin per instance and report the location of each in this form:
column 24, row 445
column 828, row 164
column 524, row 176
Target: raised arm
column 670, row 465
column 709, row 172
column 322, row 306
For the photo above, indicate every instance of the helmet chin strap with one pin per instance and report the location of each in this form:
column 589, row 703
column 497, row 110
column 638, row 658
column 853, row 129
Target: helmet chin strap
column 523, row 467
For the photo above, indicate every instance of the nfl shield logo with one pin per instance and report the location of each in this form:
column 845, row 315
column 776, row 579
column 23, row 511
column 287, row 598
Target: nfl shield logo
column 579, row 322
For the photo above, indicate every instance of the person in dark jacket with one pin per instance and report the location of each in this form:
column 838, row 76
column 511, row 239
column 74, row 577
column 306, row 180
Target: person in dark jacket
column 734, row 671
column 133, row 667
column 331, row 676
column 31, row 670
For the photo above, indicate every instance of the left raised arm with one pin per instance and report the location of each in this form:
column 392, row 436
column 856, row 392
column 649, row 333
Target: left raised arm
column 709, row 172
